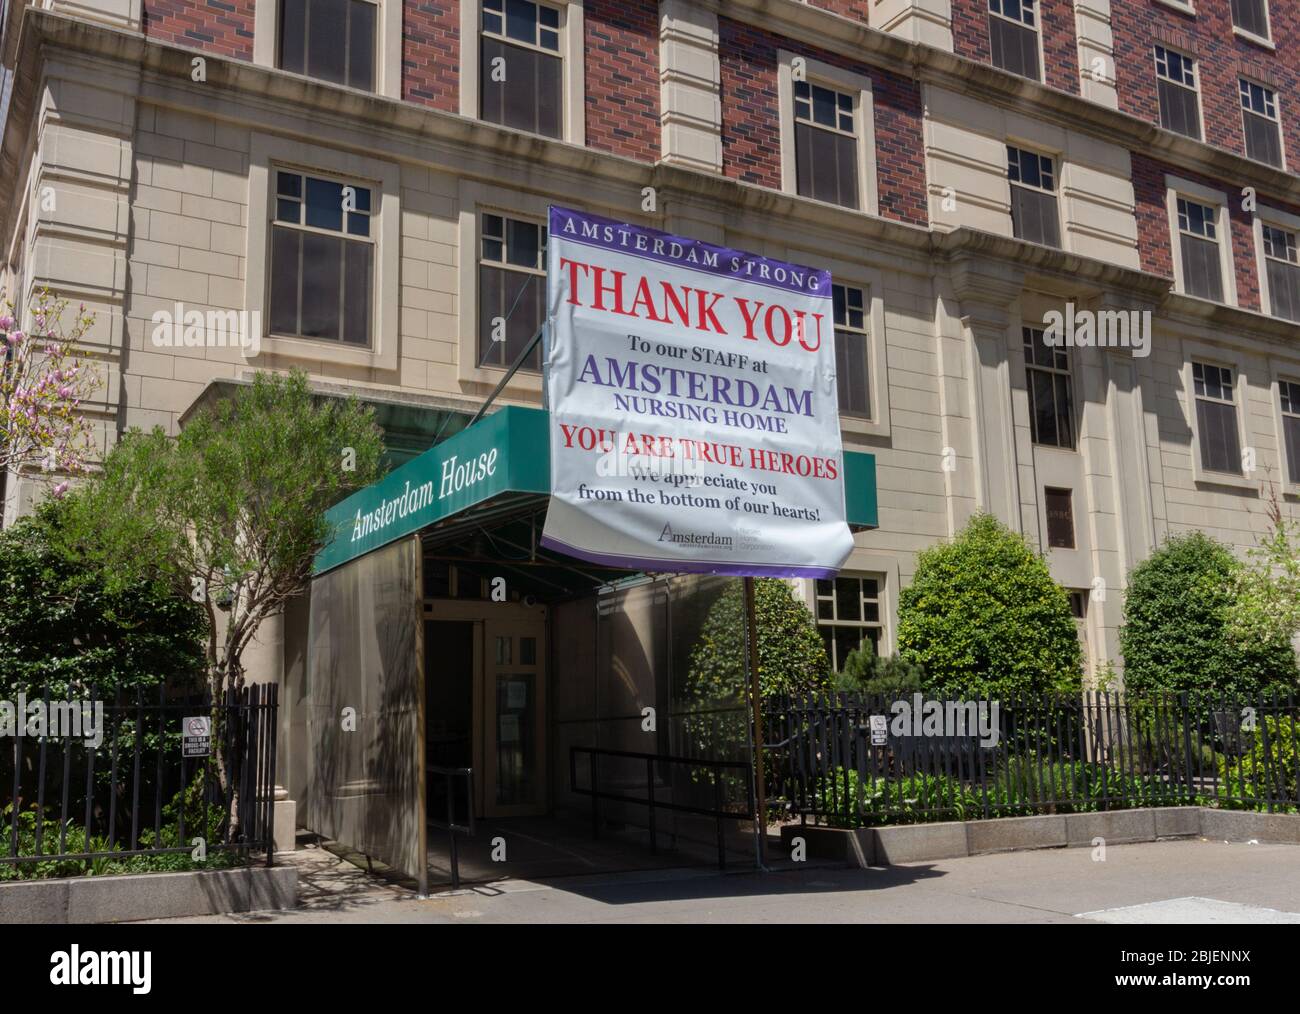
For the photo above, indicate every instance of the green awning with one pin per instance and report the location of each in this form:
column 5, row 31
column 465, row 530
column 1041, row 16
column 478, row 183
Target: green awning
column 505, row 458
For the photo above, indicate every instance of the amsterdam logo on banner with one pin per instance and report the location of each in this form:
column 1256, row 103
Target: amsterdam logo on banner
column 694, row 418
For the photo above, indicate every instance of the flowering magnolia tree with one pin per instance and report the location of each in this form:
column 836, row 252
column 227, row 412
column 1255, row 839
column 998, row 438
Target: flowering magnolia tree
column 42, row 386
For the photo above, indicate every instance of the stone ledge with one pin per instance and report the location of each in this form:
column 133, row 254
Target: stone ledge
column 148, row 895
column 913, row 843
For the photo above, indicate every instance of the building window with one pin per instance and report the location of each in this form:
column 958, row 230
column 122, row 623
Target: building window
column 1059, row 507
column 512, row 290
column 1047, row 377
column 825, row 144
column 1251, row 16
column 333, row 40
column 1198, row 241
column 848, row 615
column 1283, row 272
column 1013, row 37
column 1216, row 418
column 1262, row 124
column 852, row 351
column 1079, row 605
column 1034, row 216
column 1176, row 86
column 1290, row 397
column 520, row 68
column 322, row 259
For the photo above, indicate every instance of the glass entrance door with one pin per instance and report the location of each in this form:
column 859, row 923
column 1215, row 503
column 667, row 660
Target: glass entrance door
column 514, row 717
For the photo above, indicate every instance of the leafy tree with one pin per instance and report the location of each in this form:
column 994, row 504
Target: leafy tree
column 64, row 623
column 231, row 512
column 42, row 386
column 1177, row 635
column 1266, row 606
column 983, row 616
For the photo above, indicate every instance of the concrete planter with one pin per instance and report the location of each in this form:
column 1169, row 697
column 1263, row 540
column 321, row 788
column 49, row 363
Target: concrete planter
column 148, row 895
column 913, row 843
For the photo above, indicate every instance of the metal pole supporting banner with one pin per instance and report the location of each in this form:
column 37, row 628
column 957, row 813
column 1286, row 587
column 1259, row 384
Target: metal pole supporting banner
column 756, row 725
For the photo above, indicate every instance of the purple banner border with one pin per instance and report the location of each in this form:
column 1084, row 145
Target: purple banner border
column 660, row 566
column 724, row 254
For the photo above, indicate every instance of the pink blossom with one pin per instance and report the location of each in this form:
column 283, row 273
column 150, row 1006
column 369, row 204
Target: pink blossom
column 60, row 489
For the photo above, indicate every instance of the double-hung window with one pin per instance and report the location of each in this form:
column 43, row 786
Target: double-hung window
column 1289, row 392
column 1047, row 378
column 1198, row 243
column 1216, row 418
column 322, row 259
column 521, row 71
column 512, row 289
column 852, row 351
column 1013, row 36
column 1034, row 214
column 1263, row 126
column 1251, row 16
column 848, row 615
column 1176, row 88
column 333, row 40
column 826, row 144
column 1282, row 271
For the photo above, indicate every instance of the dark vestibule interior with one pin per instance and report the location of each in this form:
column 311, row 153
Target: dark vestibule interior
column 468, row 645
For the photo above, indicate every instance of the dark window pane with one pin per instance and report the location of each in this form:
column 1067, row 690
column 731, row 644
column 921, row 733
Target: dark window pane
column 1263, row 139
column 825, row 609
column 851, row 372
column 848, row 598
column 1034, row 216
column 288, row 211
column 361, row 45
column 1250, row 16
column 826, row 165
column 1014, row 47
column 356, row 293
column 825, row 586
column 521, row 20
column 1217, row 426
column 522, row 246
column 1201, row 274
column 847, row 639
column 1064, row 410
column 1042, row 408
column 1284, row 289
column 1178, row 109
column 284, row 280
column 322, row 285
column 529, row 98
column 293, row 35
column 1060, row 518
column 1291, row 433
column 499, row 290
column 288, row 184
column 327, row 40
column 324, row 204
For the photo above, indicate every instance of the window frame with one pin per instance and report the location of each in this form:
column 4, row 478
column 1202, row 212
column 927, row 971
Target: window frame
column 537, row 272
column 1036, row 28
column 572, row 55
column 1276, row 119
column 1265, row 41
column 880, row 600
column 1194, row 88
column 865, row 332
column 1215, row 355
column 1177, row 187
column 1277, row 219
column 1055, row 192
column 1067, row 372
column 388, row 44
column 858, row 86
column 1287, row 372
column 267, row 152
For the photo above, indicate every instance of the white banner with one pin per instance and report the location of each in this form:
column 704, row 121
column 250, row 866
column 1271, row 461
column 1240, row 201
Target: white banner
column 694, row 418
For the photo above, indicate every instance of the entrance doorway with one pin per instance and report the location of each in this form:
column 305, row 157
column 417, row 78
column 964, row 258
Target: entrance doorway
column 485, row 703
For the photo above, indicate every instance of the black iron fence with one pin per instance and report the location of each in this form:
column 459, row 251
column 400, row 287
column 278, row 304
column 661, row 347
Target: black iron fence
column 852, row 760
column 113, row 785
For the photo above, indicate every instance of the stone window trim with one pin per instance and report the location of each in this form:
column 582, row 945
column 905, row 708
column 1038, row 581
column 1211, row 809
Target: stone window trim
column 872, row 283
column 572, row 55
column 856, row 85
column 1287, row 370
column 388, row 40
column 1218, row 355
column 267, row 153
column 1187, row 8
column 864, row 564
column 1263, row 216
column 1176, row 187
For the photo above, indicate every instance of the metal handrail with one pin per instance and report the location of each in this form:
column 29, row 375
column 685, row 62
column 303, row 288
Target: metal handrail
column 450, row 825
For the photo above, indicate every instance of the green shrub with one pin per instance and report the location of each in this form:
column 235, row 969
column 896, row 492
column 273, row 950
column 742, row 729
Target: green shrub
column 850, row 801
column 983, row 617
column 1177, row 635
column 867, row 673
column 1267, row 770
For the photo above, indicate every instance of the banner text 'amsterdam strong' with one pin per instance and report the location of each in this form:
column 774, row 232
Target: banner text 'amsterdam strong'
column 694, row 418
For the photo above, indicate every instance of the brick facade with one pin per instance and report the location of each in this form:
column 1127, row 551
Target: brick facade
column 1220, row 56
column 854, row 10
column 622, row 76
column 431, row 53
column 751, row 129
column 1060, row 47
column 225, row 29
